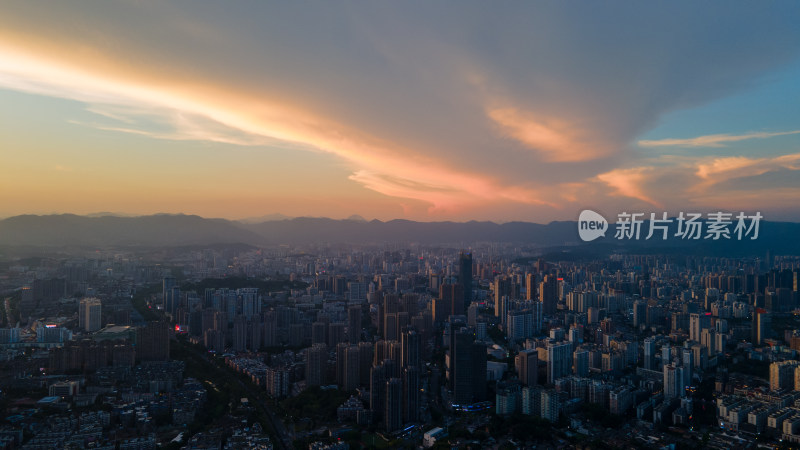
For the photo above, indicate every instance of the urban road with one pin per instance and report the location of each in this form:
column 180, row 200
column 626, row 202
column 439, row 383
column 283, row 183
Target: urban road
column 284, row 440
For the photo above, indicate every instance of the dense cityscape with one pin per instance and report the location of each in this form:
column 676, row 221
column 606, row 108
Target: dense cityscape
column 341, row 346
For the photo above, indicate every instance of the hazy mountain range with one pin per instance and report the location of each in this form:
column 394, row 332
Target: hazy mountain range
column 161, row 230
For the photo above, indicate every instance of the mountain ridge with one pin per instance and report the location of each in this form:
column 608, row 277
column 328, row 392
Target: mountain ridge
column 173, row 230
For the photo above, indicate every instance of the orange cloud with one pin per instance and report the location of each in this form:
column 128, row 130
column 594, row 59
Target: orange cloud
column 712, row 140
column 203, row 111
column 629, row 183
column 555, row 139
column 718, row 170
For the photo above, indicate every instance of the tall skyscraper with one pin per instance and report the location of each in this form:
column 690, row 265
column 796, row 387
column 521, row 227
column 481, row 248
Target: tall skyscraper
column 354, row 323
column 674, row 386
column 240, row 333
column 519, row 325
column 530, row 286
column 528, row 367
column 465, row 277
column 319, row 333
column 365, row 354
column 639, row 313
column 341, row 362
column 580, row 362
column 650, row 353
column 698, row 323
column 90, row 314
column 781, row 374
column 452, row 296
column 666, row 354
column 559, row 360
column 548, row 294
column 166, row 289
column 249, row 302
column 468, row 367
column 762, row 323
column 411, row 347
column 352, row 370
column 377, row 392
column 411, row 396
column 502, row 294
column 393, row 413
column 390, row 329
column 316, row 358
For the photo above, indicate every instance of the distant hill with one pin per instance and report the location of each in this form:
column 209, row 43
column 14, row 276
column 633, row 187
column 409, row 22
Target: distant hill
column 266, row 218
column 555, row 238
column 305, row 229
column 156, row 230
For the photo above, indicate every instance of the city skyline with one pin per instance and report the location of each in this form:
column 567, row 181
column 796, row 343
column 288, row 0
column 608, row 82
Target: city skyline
column 415, row 111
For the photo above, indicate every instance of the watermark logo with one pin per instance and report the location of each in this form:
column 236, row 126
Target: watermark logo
column 687, row 226
column 591, row 225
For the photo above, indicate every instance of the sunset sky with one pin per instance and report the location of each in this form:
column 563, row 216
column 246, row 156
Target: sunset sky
column 419, row 110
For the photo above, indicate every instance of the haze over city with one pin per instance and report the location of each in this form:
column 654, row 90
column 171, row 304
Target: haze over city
column 415, row 110
column 370, row 225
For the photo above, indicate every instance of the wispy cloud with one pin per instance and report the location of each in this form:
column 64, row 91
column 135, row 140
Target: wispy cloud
column 630, row 183
column 719, row 170
column 557, row 140
column 712, row 140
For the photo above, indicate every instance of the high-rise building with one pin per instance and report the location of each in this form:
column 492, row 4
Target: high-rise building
column 411, row 395
column 502, row 296
column 548, row 294
column 650, row 353
column 519, row 325
column 90, row 314
column 639, row 313
column 255, row 339
column 357, row 292
column 580, row 362
column 551, row 405
column 762, row 322
column 390, row 330
column 240, row 333
column 319, row 332
column 698, row 323
column 507, row 399
column 468, row 367
column 530, row 287
column 249, row 302
column 341, row 362
column 172, row 301
column 674, row 380
column 465, row 277
column 393, row 412
column 316, row 359
column 352, row 370
column 559, row 360
column 377, row 391
column 666, row 354
column 528, row 367
column 166, row 290
column 532, row 400
column 354, row 323
column 365, row 355
column 277, row 381
column 336, row 333
column 411, row 347
column 452, row 297
column 781, row 374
